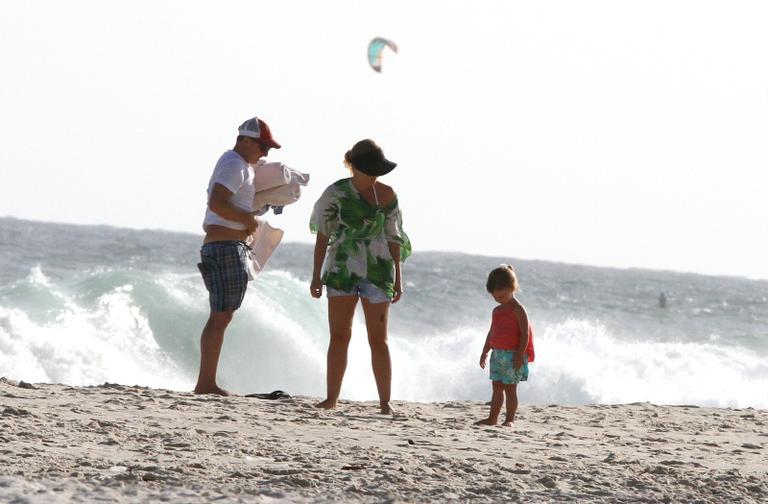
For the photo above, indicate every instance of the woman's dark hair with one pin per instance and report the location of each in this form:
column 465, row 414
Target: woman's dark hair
column 503, row 277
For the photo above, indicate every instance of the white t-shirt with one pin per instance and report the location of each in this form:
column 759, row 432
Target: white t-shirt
column 234, row 173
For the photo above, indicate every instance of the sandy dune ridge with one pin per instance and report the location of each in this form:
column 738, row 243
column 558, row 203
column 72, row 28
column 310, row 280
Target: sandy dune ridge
column 115, row 443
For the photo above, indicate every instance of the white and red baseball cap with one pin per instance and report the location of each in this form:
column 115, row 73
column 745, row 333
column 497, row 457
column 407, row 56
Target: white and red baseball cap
column 257, row 129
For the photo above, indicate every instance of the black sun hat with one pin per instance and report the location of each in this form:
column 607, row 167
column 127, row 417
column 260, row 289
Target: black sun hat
column 368, row 158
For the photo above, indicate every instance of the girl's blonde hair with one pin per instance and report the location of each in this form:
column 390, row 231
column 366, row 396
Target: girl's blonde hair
column 503, row 277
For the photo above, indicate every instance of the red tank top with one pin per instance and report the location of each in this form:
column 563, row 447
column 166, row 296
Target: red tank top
column 505, row 332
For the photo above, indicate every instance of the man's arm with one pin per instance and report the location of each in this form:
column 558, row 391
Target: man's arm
column 219, row 204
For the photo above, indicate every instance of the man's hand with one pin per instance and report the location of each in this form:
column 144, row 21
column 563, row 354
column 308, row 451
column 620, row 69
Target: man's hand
column 483, row 357
column 251, row 223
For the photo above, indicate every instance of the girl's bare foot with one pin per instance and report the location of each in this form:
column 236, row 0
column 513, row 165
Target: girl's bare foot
column 486, row 421
column 327, row 404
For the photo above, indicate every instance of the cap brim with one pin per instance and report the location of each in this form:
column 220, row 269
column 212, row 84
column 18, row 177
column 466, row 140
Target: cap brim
column 266, row 141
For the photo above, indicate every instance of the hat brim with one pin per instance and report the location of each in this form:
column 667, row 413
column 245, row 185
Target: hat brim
column 266, row 141
column 371, row 167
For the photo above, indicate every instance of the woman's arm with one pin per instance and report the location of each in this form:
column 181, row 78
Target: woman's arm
column 394, row 251
column 321, row 247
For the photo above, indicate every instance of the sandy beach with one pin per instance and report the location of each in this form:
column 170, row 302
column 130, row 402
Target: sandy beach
column 115, row 443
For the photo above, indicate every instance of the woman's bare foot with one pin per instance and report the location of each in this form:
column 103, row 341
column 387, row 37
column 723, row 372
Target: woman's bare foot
column 213, row 390
column 327, row 404
column 386, row 409
column 486, row 421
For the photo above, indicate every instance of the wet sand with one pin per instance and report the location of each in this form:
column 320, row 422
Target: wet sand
column 115, row 443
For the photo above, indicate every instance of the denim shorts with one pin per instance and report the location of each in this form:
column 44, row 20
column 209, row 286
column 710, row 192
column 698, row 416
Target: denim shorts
column 503, row 367
column 364, row 289
column 224, row 266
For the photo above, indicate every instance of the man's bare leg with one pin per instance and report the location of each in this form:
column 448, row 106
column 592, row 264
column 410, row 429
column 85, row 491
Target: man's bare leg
column 376, row 317
column 341, row 311
column 211, row 341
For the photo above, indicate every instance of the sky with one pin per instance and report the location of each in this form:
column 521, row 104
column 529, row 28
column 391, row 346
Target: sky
column 610, row 133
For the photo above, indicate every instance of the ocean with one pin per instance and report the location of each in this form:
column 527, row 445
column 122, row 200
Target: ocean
column 84, row 305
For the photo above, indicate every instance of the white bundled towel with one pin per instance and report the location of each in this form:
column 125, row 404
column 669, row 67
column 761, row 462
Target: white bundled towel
column 278, row 185
column 268, row 175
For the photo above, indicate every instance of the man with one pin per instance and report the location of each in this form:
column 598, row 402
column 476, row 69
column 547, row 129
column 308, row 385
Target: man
column 228, row 222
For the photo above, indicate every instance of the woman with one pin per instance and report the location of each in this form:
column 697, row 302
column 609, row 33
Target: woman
column 360, row 239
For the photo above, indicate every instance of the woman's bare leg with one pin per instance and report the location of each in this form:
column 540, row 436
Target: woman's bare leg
column 341, row 311
column 376, row 319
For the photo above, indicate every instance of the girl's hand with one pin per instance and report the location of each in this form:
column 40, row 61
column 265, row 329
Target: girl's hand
column 482, row 360
column 316, row 288
column 517, row 363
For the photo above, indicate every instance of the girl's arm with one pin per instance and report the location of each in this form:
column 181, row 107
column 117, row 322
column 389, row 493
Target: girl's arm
column 522, row 323
column 394, row 251
column 321, row 246
column 486, row 349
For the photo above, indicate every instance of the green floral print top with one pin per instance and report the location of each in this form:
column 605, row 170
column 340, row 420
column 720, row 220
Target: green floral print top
column 358, row 235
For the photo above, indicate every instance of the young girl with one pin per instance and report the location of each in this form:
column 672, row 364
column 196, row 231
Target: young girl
column 511, row 338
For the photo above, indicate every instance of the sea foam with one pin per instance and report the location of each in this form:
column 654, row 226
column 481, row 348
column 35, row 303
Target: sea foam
column 128, row 306
column 134, row 328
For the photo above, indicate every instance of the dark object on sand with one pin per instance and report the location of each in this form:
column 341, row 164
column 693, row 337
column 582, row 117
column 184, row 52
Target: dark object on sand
column 353, row 467
column 276, row 394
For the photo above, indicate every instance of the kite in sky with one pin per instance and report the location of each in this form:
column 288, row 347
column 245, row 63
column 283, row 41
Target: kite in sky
column 375, row 48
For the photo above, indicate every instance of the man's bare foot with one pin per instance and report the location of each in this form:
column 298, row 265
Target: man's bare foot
column 212, row 390
column 508, row 423
column 486, row 421
column 327, row 404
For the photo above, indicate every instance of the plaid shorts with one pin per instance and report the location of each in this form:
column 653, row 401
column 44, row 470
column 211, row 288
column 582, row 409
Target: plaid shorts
column 225, row 273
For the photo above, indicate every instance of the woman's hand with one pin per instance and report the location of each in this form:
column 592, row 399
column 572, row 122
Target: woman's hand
column 316, row 288
column 398, row 291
